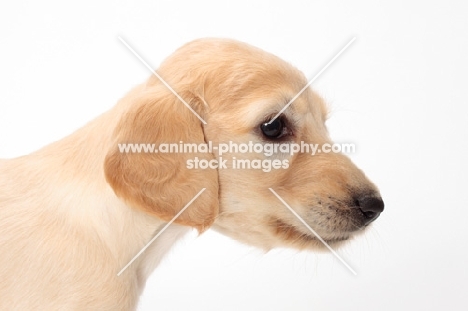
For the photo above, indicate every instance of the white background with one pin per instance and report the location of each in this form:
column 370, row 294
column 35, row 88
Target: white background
column 399, row 93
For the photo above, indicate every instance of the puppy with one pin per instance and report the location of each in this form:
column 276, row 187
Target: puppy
column 75, row 212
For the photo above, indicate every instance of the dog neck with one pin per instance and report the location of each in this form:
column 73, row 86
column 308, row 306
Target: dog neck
column 84, row 210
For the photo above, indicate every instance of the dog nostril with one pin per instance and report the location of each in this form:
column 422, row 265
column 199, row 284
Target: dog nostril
column 370, row 214
column 370, row 206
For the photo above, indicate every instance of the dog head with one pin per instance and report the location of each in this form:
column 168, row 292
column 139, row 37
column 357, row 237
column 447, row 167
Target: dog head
column 256, row 196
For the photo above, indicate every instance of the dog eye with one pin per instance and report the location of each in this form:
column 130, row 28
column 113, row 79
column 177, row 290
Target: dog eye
column 275, row 129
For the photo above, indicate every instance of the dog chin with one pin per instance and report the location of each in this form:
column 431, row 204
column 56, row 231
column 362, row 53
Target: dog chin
column 293, row 237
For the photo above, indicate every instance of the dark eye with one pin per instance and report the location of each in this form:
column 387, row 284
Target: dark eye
column 274, row 129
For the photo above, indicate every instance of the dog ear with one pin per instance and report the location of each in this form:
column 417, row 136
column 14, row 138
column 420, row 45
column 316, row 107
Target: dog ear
column 158, row 183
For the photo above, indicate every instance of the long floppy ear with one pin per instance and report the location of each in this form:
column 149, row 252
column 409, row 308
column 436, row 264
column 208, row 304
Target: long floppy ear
column 161, row 184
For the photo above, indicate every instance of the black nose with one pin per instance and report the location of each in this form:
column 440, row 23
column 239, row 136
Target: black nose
column 371, row 207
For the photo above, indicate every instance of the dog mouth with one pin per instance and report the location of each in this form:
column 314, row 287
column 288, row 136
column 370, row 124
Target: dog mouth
column 290, row 233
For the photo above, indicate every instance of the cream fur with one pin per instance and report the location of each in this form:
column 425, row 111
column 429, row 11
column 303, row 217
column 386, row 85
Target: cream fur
column 73, row 213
